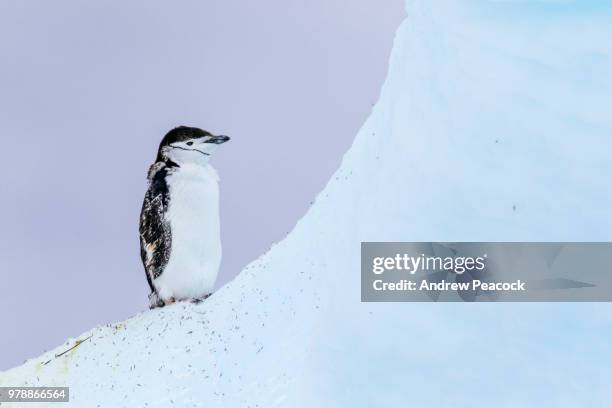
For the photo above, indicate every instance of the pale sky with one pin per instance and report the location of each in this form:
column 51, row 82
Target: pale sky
column 89, row 89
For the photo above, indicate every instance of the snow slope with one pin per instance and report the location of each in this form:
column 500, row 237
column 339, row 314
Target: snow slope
column 494, row 124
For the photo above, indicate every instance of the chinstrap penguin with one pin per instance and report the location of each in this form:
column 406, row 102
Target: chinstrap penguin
column 180, row 242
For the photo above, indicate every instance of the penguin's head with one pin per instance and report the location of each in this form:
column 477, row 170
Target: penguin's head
column 188, row 145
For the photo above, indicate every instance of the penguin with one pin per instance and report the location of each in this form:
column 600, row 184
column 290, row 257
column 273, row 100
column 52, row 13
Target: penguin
column 180, row 241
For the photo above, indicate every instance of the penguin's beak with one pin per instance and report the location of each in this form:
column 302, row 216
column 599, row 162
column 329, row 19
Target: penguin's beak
column 218, row 139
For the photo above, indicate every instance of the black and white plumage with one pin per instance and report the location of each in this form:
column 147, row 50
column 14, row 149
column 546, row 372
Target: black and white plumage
column 180, row 243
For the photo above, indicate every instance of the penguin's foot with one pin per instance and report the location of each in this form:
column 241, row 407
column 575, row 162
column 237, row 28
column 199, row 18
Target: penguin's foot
column 199, row 300
column 169, row 301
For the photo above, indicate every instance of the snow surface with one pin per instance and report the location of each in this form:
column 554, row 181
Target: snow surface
column 494, row 124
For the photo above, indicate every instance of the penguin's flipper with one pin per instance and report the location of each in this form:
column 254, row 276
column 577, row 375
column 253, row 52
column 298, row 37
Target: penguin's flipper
column 155, row 301
column 155, row 233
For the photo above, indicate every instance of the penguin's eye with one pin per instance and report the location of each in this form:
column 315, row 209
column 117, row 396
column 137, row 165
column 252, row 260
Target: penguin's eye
column 189, row 143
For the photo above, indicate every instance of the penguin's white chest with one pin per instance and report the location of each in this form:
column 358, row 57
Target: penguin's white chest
column 193, row 214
